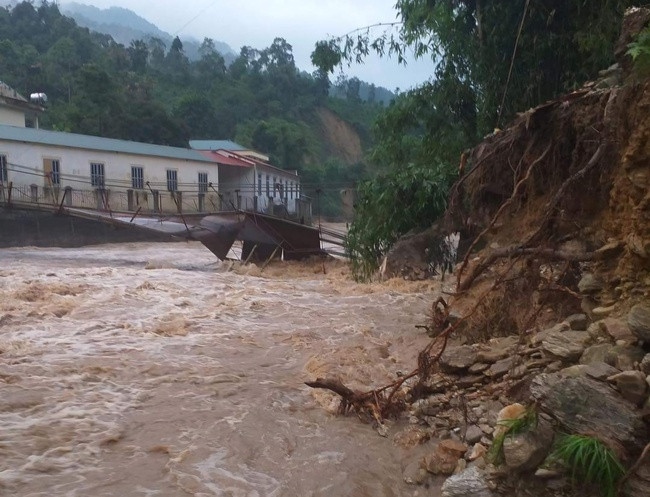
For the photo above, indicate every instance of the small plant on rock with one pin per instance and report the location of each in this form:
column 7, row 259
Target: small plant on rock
column 510, row 427
column 590, row 461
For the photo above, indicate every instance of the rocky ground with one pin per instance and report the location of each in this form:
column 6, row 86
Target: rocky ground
column 549, row 327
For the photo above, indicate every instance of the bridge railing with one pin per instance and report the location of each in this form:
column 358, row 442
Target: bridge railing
column 148, row 202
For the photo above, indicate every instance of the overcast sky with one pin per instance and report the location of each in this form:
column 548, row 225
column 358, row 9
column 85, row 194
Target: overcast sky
column 301, row 22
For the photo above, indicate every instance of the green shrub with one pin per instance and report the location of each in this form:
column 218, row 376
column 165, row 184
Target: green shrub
column 512, row 427
column 639, row 50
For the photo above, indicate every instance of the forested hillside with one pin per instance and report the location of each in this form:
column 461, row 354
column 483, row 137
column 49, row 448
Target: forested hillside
column 152, row 93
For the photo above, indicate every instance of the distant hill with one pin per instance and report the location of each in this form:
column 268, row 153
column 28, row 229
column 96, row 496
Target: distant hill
column 124, row 26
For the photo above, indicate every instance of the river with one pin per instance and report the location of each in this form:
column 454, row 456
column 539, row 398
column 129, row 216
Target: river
column 154, row 370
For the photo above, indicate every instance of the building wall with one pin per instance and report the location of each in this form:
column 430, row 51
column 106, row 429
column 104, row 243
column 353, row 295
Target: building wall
column 243, row 183
column 26, row 171
column 12, row 117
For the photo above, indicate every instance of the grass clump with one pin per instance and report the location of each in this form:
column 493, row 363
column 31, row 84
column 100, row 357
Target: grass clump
column 590, row 461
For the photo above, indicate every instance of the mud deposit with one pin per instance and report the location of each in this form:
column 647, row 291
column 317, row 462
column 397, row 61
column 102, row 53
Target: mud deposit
column 148, row 369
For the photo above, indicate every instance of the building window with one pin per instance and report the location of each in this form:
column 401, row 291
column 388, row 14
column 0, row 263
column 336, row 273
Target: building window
column 203, row 182
column 268, row 186
column 56, row 172
column 172, row 180
column 291, row 190
column 4, row 177
column 137, row 177
column 97, row 174
column 286, row 189
column 259, row 184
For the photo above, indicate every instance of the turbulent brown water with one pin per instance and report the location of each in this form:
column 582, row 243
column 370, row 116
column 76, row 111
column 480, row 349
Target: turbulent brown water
column 151, row 370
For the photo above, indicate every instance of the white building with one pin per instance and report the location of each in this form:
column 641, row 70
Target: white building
column 39, row 166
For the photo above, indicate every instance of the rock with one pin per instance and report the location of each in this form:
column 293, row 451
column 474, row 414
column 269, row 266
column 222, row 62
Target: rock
column 587, row 304
column 458, row 358
column 632, row 385
column 411, row 437
column 479, row 450
column 577, row 322
column 478, row 367
column 601, row 312
column 526, row 451
column 582, row 404
column 547, row 474
column 538, row 338
column 472, row 482
column 497, row 349
column 500, row 368
column 487, row 429
column 600, row 370
column 473, row 434
column 624, row 357
column 617, row 329
column 596, row 353
column 461, row 466
column 645, row 364
column 589, row 284
column 639, row 483
column 638, row 319
column 469, row 380
column 414, row 473
column 638, row 246
column 444, row 458
column 508, row 413
column 567, row 345
column 610, row 251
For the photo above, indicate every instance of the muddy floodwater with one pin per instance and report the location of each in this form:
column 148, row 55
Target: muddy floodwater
column 153, row 370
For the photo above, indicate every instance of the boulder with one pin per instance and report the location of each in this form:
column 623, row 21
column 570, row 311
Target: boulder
column 578, row 322
column 538, row 338
column 497, row 349
column 525, row 451
column 567, row 345
column 624, row 357
column 645, row 364
column 639, row 483
column 472, row 482
column 596, row 353
column 457, row 358
column 500, row 368
column 478, row 450
column 632, row 385
column 582, row 404
column 414, row 474
column 590, row 284
column 638, row 319
column 444, row 458
column 473, row 434
column 617, row 329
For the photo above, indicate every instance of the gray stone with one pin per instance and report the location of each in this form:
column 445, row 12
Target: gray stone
column 472, row 482
column 538, row 338
column 473, row 434
column 601, row 312
column 444, row 458
column 526, row 451
column 578, row 322
column 617, row 329
column 645, row 364
column 639, row 483
column 584, row 405
column 414, row 473
column 567, row 345
column 457, row 358
column 500, row 368
column 478, row 367
column 596, row 353
column 632, row 386
column 600, row 370
column 497, row 349
column 590, row 284
column 624, row 357
column 638, row 319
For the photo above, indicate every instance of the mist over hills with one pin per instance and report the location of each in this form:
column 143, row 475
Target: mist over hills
column 125, row 26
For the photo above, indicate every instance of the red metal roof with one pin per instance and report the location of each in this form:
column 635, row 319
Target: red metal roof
column 225, row 158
